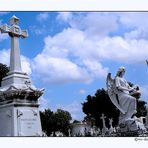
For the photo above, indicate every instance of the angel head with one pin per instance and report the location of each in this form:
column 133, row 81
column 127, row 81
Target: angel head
column 120, row 71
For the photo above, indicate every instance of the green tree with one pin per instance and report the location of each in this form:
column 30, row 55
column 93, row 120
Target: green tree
column 61, row 120
column 47, row 121
column 55, row 121
column 141, row 108
column 3, row 71
column 98, row 104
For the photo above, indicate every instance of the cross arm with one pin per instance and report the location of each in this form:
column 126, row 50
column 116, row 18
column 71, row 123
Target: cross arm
column 24, row 33
column 5, row 29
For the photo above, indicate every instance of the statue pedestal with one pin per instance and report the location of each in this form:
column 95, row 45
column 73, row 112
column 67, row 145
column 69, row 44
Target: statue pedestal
column 131, row 126
column 19, row 113
column 19, row 119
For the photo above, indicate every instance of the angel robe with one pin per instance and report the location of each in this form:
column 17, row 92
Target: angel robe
column 126, row 101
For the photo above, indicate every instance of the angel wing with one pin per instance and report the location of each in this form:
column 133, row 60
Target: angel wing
column 112, row 92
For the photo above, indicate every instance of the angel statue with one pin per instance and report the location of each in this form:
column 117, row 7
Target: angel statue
column 121, row 95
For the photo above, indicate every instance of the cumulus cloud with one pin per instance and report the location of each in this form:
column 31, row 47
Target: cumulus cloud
column 93, row 24
column 58, row 70
column 69, row 57
column 3, row 37
column 37, row 30
column 126, row 51
column 5, row 56
column 64, row 16
column 134, row 19
column 25, row 62
column 83, row 55
column 26, row 65
column 42, row 16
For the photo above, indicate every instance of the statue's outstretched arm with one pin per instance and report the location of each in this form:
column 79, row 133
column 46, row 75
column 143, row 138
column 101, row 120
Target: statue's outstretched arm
column 122, row 88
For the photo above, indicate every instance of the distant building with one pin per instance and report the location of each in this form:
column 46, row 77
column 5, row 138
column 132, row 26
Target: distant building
column 80, row 129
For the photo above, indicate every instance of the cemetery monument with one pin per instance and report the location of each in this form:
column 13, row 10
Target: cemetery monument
column 19, row 114
column 121, row 95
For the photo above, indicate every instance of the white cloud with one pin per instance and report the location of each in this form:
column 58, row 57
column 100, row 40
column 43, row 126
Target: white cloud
column 134, row 19
column 5, row 56
column 26, row 65
column 144, row 92
column 25, row 62
column 42, row 16
column 137, row 34
column 136, row 24
column 3, row 37
column 69, row 57
column 82, row 91
column 64, row 16
column 76, row 54
column 94, row 24
column 37, row 30
column 121, row 50
column 57, row 70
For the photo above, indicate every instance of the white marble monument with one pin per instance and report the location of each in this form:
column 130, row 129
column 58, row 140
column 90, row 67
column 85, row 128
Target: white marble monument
column 122, row 96
column 19, row 114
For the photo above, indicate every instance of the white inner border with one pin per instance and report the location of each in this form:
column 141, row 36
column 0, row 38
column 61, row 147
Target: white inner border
column 73, row 5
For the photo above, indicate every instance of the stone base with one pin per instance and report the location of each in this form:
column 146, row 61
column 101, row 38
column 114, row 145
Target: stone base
column 17, row 78
column 131, row 125
column 20, row 120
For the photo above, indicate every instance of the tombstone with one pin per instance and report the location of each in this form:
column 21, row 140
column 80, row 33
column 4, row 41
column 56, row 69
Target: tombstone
column 95, row 131
column 19, row 114
column 104, row 129
column 69, row 132
column 111, row 129
column 59, row 134
column 98, row 132
column 92, row 131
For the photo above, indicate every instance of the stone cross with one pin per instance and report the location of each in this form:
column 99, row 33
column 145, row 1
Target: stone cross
column 103, row 120
column 104, row 129
column 15, row 33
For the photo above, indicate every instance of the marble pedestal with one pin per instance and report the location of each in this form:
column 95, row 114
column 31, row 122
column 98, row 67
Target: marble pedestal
column 19, row 119
column 19, row 109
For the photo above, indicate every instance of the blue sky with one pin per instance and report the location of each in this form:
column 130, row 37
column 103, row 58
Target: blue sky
column 70, row 53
